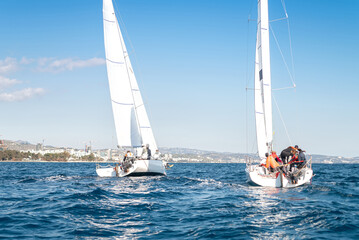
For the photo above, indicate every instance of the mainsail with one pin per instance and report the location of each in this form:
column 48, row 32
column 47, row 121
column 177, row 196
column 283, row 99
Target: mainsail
column 133, row 127
column 262, row 79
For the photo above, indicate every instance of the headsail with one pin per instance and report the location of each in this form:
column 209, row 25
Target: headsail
column 263, row 89
column 132, row 125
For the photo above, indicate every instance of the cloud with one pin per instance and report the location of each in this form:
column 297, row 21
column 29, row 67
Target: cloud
column 20, row 95
column 7, row 82
column 8, row 65
column 67, row 64
column 26, row 60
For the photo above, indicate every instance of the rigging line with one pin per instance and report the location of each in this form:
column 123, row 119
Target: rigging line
column 127, row 63
column 144, row 98
column 247, row 83
column 277, row 89
column 285, row 10
column 247, row 74
column 281, row 117
column 279, row 19
column 281, row 53
column 291, row 49
column 246, row 121
column 290, row 39
column 254, row 147
column 254, row 89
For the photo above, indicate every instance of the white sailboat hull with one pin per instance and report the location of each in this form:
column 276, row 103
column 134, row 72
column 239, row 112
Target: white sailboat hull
column 148, row 167
column 257, row 175
column 140, row 168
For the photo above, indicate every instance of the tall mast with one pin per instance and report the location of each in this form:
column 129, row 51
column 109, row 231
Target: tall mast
column 263, row 92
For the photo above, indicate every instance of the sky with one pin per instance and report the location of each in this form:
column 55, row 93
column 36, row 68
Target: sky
column 193, row 60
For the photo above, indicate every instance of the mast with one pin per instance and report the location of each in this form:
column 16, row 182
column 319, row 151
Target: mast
column 263, row 89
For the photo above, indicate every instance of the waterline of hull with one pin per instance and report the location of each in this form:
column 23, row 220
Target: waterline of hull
column 256, row 175
column 143, row 167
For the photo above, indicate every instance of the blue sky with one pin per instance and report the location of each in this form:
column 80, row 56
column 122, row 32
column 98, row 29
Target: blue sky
column 193, row 60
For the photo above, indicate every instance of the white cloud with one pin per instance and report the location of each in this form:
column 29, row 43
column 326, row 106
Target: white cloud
column 21, row 94
column 7, row 82
column 67, row 64
column 8, row 65
column 54, row 65
column 26, row 60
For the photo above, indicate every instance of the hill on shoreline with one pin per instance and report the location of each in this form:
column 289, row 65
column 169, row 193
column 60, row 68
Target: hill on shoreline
column 192, row 155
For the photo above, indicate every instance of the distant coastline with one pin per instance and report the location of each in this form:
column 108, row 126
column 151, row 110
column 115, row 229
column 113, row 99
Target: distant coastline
column 22, row 151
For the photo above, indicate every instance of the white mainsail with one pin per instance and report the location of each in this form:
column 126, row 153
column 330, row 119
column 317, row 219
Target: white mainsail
column 133, row 128
column 263, row 89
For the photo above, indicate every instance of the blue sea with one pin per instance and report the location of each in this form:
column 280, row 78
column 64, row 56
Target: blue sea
column 194, row 201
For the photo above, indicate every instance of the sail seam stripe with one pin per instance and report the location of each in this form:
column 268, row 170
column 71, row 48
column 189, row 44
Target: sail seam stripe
column 109, row 21
column 129, row 104
column 115, row 61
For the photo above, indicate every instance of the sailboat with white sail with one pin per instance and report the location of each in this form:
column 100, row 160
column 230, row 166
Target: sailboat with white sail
column 256, row 173
column 133, row 128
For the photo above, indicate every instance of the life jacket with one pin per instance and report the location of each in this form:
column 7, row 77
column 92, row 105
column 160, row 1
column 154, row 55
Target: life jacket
column 271, row 162
column 275, row 156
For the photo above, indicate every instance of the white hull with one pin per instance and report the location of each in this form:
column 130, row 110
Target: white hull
column 140, row 167
column 257, row 175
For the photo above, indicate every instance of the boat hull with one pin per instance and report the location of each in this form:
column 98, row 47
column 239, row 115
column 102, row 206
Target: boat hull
column 142, row 168
column 257, row 175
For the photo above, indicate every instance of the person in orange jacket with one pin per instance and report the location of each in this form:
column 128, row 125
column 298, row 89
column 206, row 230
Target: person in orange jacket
column 271, row 164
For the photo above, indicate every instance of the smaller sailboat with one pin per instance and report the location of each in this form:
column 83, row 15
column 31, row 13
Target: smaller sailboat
column 257, row 173
column 133, row 129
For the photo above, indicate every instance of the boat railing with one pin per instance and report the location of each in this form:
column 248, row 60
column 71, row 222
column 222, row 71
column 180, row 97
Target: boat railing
column 308, row 164
column 249, row 162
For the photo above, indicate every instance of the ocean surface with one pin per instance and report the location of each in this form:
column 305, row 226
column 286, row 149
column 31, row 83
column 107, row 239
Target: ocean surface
column 194, row 201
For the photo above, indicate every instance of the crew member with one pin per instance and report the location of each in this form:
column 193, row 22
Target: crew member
column 157, row 155
column 271, row 164
column 287, row 153
column 148, row 152
column 144, row 153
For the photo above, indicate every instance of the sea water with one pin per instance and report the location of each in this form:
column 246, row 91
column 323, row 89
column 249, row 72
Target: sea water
column 194, row 201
